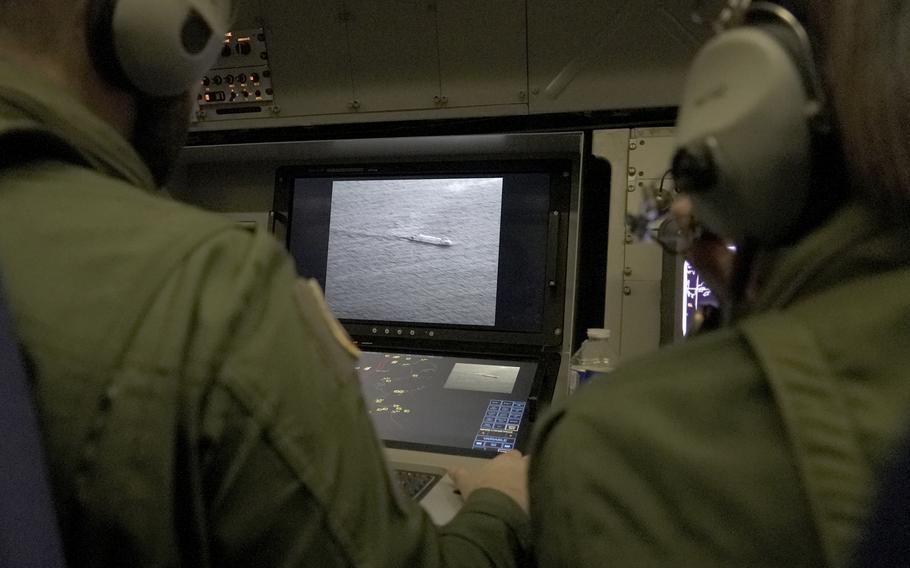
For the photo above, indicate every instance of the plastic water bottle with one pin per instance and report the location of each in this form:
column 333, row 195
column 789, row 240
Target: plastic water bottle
column 593, row 359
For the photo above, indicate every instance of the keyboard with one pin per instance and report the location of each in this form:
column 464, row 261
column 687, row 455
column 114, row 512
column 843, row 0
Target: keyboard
column 416, row 484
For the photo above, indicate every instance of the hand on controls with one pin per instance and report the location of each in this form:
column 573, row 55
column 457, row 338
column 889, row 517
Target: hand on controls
column 507, row 473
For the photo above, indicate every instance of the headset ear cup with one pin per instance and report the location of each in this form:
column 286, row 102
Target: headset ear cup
column 745, row 109
column 157, row 49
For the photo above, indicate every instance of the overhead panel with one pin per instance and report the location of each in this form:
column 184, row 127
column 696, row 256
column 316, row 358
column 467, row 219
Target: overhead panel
column 611, row 54
column 308, row 43
column 348, row 61
column 240, row 82
column 482, row 52
column 394, row 54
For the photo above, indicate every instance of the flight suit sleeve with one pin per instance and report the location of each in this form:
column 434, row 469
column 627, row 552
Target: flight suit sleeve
column 292, row 471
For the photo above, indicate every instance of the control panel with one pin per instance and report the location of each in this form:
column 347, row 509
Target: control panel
column 240, row 82
column 499, row 429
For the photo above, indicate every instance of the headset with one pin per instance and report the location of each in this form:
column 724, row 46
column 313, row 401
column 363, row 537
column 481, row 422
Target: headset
column 752, row 125
column 160, row 48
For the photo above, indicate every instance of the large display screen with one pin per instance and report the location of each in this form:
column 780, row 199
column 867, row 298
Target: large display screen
column 453, row 246
column 419, row 250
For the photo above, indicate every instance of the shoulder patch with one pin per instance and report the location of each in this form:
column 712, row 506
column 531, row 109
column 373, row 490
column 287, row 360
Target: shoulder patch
column 310, row 298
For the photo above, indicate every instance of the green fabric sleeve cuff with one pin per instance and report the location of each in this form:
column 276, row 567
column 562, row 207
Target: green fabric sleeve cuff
column 494, row 503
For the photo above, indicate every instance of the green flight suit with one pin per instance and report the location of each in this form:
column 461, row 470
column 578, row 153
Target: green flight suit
column 197, row 407
column 757, row 445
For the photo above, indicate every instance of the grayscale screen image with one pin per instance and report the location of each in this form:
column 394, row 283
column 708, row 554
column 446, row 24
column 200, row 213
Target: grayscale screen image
column 415, row 250
column 486, row 378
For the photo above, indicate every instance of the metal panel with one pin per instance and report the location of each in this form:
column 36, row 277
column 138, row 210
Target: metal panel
column 353, row 61
column 483, row 52
column 644, row 261
column 650, row 155
column 285, row 119
column 650, row 152
column 597, row 54
column 641, row 317
column 613, row 146
column 394, row 54
column 308, row 51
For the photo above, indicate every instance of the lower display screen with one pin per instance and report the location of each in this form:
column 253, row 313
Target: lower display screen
column 447, row 404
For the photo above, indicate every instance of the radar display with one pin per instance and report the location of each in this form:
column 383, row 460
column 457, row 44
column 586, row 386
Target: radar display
column 446, row 402
column 390, row 381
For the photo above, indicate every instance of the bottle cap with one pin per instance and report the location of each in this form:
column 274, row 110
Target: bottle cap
column 598, row 333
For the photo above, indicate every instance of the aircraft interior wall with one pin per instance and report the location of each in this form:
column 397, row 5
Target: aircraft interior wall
column 354, row 83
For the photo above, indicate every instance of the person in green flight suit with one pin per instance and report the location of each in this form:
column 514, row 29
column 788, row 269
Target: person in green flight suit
column 199, row 404
column 761, row 443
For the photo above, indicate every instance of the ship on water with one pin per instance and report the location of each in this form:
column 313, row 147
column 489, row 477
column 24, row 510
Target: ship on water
column 430, row 240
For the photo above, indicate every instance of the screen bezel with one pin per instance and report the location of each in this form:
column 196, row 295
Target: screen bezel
column 559, row 171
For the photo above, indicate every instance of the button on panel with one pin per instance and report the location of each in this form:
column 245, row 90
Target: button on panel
column 241, row 76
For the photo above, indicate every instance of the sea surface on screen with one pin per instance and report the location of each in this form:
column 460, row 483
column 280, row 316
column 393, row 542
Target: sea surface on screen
column 415, row 250
column 462, row 251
